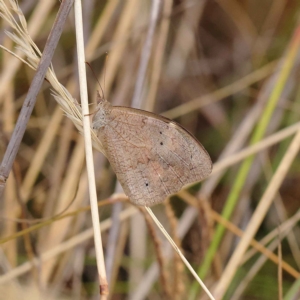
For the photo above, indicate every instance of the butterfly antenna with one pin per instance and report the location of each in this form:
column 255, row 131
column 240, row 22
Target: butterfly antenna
column 103, row 97
column 106, row 59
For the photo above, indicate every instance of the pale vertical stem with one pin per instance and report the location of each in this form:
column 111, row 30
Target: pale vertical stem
column 88, row 148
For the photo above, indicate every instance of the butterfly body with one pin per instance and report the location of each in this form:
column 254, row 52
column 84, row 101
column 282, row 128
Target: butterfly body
column 152, row 156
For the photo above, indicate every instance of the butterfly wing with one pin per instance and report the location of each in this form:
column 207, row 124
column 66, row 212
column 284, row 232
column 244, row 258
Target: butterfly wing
column 152, row 156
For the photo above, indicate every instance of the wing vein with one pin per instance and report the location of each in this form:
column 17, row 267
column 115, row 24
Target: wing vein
column 163, row 184
column 173, row 170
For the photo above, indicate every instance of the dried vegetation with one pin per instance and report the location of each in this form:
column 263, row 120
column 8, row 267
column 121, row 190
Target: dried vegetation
column 228, row 72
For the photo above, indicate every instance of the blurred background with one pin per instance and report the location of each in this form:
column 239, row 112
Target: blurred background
column 225, row 70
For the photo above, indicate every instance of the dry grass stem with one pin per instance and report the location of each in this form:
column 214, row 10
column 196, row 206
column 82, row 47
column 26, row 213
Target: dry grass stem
column 179, row 252
column 164, row 278
column 103, row 284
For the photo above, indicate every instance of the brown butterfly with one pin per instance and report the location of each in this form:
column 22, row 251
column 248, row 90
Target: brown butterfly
column 152, row 156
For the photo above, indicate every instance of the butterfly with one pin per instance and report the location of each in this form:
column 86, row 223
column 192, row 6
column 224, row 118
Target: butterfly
column 152, row 156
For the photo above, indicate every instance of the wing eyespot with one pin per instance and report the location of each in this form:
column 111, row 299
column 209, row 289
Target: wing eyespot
column 146, row 184
column 161, row 143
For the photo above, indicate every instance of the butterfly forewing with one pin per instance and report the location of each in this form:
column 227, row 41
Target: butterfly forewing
column 151, row 156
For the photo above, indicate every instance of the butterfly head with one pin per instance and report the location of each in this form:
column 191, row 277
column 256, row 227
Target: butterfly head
column 101, row 116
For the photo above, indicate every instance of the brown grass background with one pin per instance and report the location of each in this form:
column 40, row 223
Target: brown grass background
column 214, row 66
